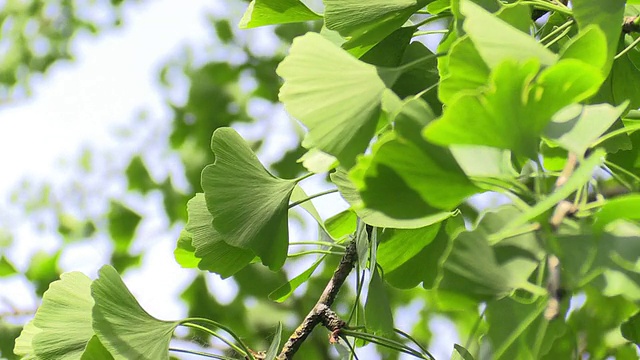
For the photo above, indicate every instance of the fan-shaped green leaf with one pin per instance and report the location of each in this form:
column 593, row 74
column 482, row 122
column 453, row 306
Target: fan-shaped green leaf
column 465, row 71
column 402, row 165
column 272, row 12
column 376, row 218
column 62, row 325
column 576, row 127
column 336, row 96
column 249, row 205
column 589, row 46
column 209, row 249
column 366, row 23
column 497, row 41
column 513, row 111
column 397, row 246
column 122, row 325
column 607, row 15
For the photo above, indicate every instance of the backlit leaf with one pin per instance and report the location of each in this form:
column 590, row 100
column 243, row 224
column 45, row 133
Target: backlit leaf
column 497, row 41
column 123, row 327
column 62, row 325
column 249, row 205
column 209, row 248
column 272, row 12
column 340, row 108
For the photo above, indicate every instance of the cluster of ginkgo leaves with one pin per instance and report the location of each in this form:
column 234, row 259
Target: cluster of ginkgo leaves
column 531, row 99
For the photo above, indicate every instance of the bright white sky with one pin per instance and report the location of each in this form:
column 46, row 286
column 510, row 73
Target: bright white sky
column 114, row 76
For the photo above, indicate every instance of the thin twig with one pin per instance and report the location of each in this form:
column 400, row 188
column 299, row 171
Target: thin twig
column 321, row 312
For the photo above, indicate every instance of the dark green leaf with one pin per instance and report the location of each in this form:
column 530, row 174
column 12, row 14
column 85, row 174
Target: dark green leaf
column 122, row 225
column 377, row 218
column 248, row 204
column 368, row 23
column 138, row 176
column 631, row 329
column 6, row 268
column 460, row 353
column 377, row 309
column 283, row 292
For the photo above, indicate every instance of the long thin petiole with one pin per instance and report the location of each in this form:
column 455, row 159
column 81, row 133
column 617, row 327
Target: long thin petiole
column 319, row 243
column 213, row 333
column 294, row 204
column 627, row 49
column 326, row 252
column 201, row 353
column 430, row 32
column 556, row 31
column 408, row 337
column 243, row 350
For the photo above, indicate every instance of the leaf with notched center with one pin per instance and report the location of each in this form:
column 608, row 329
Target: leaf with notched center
column 249, row 205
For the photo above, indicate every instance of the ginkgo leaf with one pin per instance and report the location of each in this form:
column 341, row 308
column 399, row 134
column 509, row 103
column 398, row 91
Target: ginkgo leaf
column 336, row 96
column 366, row 23
column 497, row 41
column 62, row 325
column 576, row 127
column 122, row 325
column 465, row 71
column 373, row 217
column 513, row 111
column 249, row 205
column 607, row 15
column 214, row 253
column 275, row 344
column 272, row 12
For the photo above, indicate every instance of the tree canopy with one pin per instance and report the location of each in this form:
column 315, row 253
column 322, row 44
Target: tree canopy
column 486, row 150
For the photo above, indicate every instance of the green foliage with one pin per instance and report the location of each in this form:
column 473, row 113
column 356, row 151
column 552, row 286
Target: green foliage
column 415, row 141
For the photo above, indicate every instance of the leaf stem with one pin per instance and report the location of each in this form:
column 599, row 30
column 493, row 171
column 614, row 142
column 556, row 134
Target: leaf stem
column 614, row 133
column 533, row 288
column 309, row 252
column 305, row 176
column 294, row 204
column 382, row 341
column 414, row 63
column 558, row 38
column 627, row 49
column 213, row 333
column 410, row 338
column 557, row 30
column 622, row 170
column 201, row 353
column 431, row 19
column 243, row 349
column 430, row 32
column 320, row 243
column 548, row 6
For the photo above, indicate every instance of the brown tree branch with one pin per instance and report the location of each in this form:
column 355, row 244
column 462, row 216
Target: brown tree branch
column 321, row 312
